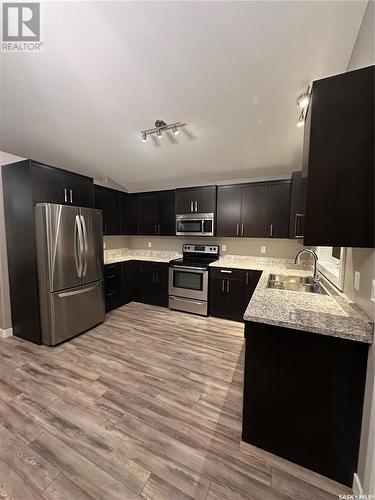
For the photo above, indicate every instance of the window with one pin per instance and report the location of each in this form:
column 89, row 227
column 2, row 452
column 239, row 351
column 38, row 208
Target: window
column 331, row 263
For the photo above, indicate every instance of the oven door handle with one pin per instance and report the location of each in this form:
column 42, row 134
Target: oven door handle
column 190, row 268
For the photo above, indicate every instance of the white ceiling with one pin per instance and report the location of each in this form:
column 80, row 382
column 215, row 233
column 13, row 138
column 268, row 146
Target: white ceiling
column 230, row 70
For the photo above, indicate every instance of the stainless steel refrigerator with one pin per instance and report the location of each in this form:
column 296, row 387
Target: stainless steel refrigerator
column 70, row 270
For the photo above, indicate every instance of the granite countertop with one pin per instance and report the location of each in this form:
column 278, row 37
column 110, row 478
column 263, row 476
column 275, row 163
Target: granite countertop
column 332, row 314
column 125, row 254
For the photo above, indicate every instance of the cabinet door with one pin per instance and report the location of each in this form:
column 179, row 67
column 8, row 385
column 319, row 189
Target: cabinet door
column 234, row 301
column 251, row 279
column 128, row 282
column 80, row 190
column 160, row 282
column 145, row 282
column 205, row 200
column 218, row 297
column 184, row 201
column 167, row 214
column 279, row 204
column 49, row 185
column 148, row 213
column 129, row 214
column 228, row 211
column 254, row 210
column 297, row 205
column 340, row 177
column 108, row 200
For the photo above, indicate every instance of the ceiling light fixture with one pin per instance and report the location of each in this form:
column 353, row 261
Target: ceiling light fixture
column 161, row 126
column 303, row 102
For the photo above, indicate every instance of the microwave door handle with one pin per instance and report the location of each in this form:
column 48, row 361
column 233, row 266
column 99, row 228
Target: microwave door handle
column 203, row 227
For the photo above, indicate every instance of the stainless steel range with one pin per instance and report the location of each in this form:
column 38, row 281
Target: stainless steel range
column 188, row 278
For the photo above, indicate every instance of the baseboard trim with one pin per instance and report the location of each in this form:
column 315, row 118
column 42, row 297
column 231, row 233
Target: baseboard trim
column 6, row 333
column 357, row 486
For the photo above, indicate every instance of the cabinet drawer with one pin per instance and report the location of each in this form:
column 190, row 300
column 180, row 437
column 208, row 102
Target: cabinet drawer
column 226, row 273
column 112, row 270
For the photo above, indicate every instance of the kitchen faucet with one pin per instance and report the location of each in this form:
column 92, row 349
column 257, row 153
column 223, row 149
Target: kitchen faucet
column 311, row 252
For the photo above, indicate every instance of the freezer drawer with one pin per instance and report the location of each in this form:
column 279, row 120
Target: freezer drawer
column 72, row 311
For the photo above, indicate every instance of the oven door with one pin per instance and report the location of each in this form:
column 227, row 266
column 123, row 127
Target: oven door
column 188, row 282
column 195, row 225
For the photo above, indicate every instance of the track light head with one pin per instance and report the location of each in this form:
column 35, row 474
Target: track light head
column 159, row 134
column 144, row 137
column 175, row 130
column 301, row 119
column 303, row 100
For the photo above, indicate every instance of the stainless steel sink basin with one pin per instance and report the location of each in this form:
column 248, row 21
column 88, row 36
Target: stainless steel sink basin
column 295, row 284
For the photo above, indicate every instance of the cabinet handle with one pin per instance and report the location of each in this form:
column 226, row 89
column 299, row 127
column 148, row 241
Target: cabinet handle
column 242, row 229
column 105, row 227
column 159, row 229
column 271, row 229
column 196, row 206
column 247, row 279
column 237, row 229
column 225, row 271
column 155, row 230
column 228, row 286
column 71, row 195
column 191, row 206
column 65, row 195
column 157, row 277
column 153, row 277
column 111, row 293
column 296, row 219
column 222, row 285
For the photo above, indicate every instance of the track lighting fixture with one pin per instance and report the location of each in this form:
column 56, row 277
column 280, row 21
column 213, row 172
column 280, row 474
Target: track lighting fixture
column 303, row 102
column 161, row 126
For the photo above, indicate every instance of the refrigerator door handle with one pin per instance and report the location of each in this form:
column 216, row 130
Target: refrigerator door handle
column 78, row 246
column 78, row 292
column 85, row 246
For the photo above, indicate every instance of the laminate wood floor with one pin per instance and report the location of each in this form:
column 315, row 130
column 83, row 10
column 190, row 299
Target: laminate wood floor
column 146, row 405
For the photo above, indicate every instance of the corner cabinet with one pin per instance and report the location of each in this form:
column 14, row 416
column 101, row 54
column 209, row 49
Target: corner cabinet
column 339, row 161
column 109, row 201
column 257, row 210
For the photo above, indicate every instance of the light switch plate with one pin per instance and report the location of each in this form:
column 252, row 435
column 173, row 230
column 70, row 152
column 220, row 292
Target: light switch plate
column 262, row 249
column 357, row 278
column 149, row 244
column 224, row 247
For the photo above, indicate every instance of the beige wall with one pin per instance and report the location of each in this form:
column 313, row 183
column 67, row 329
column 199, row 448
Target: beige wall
column 5, row 315
column 362, row 260
column 246, row 246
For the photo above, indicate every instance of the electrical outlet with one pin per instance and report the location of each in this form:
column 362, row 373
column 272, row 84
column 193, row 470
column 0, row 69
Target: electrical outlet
column 357, row 278
column 262, row 249
column 224, row 247
column 149, row 244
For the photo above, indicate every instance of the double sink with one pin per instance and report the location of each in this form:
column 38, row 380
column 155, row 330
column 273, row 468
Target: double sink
column 295, row 284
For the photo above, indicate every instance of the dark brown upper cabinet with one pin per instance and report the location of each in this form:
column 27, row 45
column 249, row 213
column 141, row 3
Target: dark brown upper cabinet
column 109, row 201
column 254, row 213
column 196, row 200
column 297, row 205
column 257, row 210
column 53, row 185
column 279, row 210
column 156, row 213
column 339, row 160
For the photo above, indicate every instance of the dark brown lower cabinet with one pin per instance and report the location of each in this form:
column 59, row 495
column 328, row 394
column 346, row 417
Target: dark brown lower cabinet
column 152, row 283
column 303, row 398
column 141, row 281
column 113, row 286
column 230, row 292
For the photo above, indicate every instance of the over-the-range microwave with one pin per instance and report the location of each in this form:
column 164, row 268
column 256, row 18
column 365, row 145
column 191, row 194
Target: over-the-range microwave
column 195, row 224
